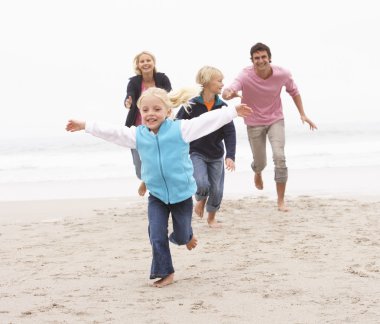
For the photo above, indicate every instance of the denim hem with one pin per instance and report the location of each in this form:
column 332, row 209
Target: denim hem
column 200, row 197
column 171, row 240
column 213, row 209
column 160, row 276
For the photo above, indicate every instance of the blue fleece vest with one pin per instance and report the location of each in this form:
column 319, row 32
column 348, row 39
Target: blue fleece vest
column 166, row 168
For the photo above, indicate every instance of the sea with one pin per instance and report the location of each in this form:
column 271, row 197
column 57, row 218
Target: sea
column 79, row 157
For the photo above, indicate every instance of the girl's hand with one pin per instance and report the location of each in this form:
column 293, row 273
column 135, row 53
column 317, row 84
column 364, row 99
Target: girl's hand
column 128, row 102
column 243, row 110
column 307, row 120
column 230, row 164
column 75, row 125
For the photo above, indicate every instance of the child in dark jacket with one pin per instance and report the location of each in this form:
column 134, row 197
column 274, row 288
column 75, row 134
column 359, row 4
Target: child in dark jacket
column 163, row 145
column 207, row 152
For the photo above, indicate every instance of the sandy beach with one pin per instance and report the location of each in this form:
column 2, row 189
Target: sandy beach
column 74, row 244
column 88, row 260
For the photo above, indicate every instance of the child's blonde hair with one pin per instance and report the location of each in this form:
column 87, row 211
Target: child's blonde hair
column 172, row 99
column 137, row 58
column 206, row 73
column 204, row 76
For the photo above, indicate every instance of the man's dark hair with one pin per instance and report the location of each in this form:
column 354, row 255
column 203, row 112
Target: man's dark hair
column 261, row 47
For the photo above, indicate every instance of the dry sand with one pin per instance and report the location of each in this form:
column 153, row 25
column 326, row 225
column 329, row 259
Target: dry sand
column 87, row 261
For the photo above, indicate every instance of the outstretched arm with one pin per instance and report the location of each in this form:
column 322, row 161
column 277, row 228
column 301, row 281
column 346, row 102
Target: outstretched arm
column 198, row 127
column 74, row 125
column 298, row 102
column 120, row 135
column 230, row 94
column 232, row 91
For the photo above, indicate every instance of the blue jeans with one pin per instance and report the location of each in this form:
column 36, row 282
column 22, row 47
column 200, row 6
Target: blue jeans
column 209, row 176
column 158, row 215
column 136, row 162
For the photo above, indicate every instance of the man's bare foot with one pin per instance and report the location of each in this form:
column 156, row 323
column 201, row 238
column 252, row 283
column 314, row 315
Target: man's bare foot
column 192, row 243
column 168, row 280
column 212, row 221
column 199, row 208
column 281, row 206
column 259, row 181
column 142, row 189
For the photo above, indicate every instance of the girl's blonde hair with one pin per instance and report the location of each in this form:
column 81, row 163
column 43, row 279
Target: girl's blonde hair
column 137, row 58
column 172, row 99
column 206, row 73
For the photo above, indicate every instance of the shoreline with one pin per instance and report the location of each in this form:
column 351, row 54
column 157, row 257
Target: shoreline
column 324, row 182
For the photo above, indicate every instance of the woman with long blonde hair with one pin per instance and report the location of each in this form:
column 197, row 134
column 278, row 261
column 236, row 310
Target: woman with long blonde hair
column 144, row 65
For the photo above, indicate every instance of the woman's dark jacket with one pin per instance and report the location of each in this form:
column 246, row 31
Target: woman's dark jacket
column 211, row 145
column 134, row 90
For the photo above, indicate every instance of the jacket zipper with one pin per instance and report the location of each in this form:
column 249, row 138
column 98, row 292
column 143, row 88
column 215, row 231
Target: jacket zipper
column 162, row 173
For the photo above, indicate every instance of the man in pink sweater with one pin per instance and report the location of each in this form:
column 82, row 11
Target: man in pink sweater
column 261, row 85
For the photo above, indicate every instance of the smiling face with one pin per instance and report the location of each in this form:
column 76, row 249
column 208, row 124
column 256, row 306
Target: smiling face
column 153, row 112
column 261, row 61
column 145, row 63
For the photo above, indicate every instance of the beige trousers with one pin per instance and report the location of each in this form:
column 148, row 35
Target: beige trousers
column 257, row 136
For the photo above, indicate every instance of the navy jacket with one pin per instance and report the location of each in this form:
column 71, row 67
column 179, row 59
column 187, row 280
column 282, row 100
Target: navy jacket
column 134, row 90
column 211, row 145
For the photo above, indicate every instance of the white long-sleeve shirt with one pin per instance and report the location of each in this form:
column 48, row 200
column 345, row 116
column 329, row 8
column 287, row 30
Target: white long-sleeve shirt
column 191, row 129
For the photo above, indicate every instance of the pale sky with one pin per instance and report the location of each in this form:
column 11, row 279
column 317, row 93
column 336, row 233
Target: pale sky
column 73, row 58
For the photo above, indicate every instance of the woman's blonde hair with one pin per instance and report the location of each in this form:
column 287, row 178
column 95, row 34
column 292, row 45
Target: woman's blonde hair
column 172, row 99
column 137, row 58
column 206, row 73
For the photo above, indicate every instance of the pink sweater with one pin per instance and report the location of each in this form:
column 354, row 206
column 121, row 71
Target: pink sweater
column 263, row 96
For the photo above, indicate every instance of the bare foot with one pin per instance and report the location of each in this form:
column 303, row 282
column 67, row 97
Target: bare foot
column 142, row 189
column 214, row 224
column 199, row 208
column 281, row 206
column 259, row 181
column 192, row 243
column 212, row 221
column 168, row 280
